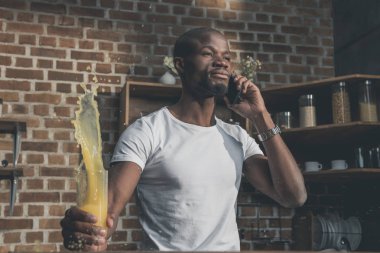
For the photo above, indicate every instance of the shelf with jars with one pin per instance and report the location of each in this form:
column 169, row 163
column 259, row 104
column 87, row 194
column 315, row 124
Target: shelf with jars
column 331, row 119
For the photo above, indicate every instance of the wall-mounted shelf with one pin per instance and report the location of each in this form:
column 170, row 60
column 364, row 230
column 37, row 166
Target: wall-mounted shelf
column 343, row 175
column 14, row 127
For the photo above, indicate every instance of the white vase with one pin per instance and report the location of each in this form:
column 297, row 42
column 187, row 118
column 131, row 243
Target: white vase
column 167, row 78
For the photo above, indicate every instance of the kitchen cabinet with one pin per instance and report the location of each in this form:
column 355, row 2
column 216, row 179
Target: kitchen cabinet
column 327, row 141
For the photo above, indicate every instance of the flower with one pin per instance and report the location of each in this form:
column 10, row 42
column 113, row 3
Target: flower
column 249, row 67
column 168, row 62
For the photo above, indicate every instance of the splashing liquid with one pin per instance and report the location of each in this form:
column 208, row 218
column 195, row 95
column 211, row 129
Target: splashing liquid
column 91, row 177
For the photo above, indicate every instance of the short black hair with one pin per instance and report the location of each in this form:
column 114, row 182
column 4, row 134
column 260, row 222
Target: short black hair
column 185, row 43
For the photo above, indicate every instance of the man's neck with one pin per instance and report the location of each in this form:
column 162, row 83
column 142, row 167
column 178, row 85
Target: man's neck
column 199, row 113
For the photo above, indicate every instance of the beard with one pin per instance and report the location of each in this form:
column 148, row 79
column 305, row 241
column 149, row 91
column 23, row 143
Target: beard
column 214, row 87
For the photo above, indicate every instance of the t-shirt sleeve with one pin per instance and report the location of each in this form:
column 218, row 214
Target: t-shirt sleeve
column 135, row 144
column 250, row 146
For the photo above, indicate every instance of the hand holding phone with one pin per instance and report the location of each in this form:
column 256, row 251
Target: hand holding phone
column 233, row 94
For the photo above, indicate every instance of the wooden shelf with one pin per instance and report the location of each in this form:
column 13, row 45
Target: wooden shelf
column 285, row 97
column 351, row 174
column 352, row 132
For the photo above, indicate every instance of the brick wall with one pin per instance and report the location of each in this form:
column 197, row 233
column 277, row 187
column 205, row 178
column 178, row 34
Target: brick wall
column 47, row 48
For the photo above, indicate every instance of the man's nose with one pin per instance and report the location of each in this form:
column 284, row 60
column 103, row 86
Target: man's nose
column 219, row 62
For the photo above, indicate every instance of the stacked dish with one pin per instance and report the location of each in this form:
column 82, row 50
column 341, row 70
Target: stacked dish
column 332, row 231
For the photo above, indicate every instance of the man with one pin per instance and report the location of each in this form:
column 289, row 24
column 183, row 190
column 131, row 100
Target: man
column 186, row 164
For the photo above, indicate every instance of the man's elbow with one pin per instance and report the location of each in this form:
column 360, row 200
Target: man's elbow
column 296, row 200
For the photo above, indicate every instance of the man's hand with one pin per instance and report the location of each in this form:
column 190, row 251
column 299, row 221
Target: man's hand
column 252, row 103
column 80, row 233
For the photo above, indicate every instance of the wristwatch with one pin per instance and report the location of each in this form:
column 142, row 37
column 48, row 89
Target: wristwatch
column 269, row 133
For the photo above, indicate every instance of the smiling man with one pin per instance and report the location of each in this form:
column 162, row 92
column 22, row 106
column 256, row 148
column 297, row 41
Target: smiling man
column 186, row 164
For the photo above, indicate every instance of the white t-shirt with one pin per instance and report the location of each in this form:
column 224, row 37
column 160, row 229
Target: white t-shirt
column 190, row 180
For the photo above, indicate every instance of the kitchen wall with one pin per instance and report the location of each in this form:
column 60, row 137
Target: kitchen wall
column 47, row 48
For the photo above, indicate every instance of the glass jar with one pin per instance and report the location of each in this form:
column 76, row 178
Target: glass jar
column 307, row 113
column 367, row 102
column 284, row 120
column 340, row 101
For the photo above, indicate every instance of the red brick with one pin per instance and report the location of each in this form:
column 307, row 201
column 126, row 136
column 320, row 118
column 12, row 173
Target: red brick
column 55, row 237
column 46, row 19
column 309, row 50
column 56, row 172
column 62, row 111
column 12, row 237
column 125, row 58
column 91, row 12
column 183, row 2
column 66, row 21
column 39, row 146
column 103, row 35
column 46, row 64
column 34, row 184
column 40, row 134
column 27, row 39
column 44, row 52
column 47, row 41
column 84, row 66
column 24, row 73
column 105, row 79
column 5, row 14
column 107, row 3
column 25, row 17
column 43, row 98
column 25, row 28
column 79, row 55
column 9, row 96
column 276, row 48
column 48, row 8
column 70, row 148
column 68, row 43
column 24, row 62
column 63, row 135
column 5, row 60
column 65, row 31
column 33, row 237
column 64, row 65
column 64, row 87
column 119, row 236
column 35, row 210
column 34, row 159
column 103, row 68
column 125, row 15
column 196, row 21
column 256, row 27
column 19, row 109
column 49, row 224
column 56, row 184
column 57, row 210
column 245, row 46
column 106, row 46
column 7, row 37
column 34, row 197
column 131, row 223
column 10, row 49
column 105, row 25
column 163, row 19
column 86, row 22
column 58, row 123
column 65, row 76
column 69, row 197
column 15, row 4
column 244, row 6
column 87, row 44
column 162, row 9
column 16, row 223
column 41, row 110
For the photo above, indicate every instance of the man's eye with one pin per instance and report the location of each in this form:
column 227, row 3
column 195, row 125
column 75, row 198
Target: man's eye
column 207, row 53
column 227, row 58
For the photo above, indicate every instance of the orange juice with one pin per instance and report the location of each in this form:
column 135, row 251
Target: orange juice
column 92, row 177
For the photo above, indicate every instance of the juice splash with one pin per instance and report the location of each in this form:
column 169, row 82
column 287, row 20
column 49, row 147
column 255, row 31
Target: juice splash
column 92, row 178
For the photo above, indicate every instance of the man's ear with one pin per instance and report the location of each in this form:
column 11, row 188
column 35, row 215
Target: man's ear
column 179, row 65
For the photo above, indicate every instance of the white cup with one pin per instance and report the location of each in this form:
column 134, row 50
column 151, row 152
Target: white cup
column 312, row 166
column 339, row 165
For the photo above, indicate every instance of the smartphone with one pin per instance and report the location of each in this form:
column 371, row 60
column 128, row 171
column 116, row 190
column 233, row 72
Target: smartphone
column 233, row 94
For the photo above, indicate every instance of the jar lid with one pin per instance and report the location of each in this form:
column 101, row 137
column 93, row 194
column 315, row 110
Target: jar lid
column 307, row 96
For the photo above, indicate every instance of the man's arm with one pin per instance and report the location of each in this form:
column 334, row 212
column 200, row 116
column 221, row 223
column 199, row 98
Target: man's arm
column 123, row 179
column 78, row 227
column 276, row 175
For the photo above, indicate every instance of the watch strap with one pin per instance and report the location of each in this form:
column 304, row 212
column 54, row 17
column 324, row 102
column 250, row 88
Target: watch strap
column 266, row 135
